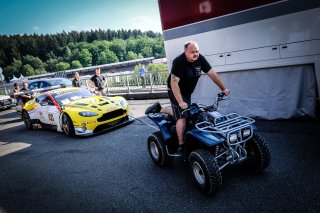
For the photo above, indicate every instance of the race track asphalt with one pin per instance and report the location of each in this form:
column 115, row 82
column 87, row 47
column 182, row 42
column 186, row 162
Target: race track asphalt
column 112, row 172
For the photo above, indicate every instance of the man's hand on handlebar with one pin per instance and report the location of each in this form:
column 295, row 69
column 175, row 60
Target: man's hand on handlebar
column 226, row 91
column 183, row 105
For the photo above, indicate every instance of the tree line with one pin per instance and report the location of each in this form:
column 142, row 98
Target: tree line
column 39, row 54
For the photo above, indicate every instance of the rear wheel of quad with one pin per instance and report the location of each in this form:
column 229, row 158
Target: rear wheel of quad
column 26, row 119
column 258, row 153
column 157, row 150
column 205, row 171
column 67, row 125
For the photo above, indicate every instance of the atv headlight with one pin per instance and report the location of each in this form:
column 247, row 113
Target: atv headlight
column 246, row 133
column 233, row 138
column 123, row 103
column 88, row 114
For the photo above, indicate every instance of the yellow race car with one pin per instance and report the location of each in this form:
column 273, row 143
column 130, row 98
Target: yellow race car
column 75, row 111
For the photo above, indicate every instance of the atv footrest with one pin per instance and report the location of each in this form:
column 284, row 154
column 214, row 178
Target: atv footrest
column 172, row 154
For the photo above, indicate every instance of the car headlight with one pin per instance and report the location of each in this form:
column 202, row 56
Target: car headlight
column 123, row 103
column 88, row 114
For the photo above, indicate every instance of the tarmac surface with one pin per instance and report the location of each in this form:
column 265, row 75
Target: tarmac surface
column 45, row 171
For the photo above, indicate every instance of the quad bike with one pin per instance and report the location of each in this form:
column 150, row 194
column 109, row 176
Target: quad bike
column 212, row 142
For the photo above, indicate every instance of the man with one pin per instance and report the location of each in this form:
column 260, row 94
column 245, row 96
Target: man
column 185, row 72
column 27, row 93
column 98, row 82
column 16, row 89
column 76, row 81
column 141, row 74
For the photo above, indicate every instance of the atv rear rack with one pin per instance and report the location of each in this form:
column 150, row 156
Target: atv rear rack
column 227, row 125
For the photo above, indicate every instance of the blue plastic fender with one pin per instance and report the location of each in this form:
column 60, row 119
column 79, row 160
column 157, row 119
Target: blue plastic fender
column 209, row 139
column 164, row 126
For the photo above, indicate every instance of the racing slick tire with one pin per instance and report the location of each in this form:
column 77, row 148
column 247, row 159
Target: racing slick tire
column 26, row 119
column 157, row 150
column 205, row 171
column 67, row 125
column 258, row 153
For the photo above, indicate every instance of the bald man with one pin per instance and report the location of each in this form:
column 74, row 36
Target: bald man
column 185, row 72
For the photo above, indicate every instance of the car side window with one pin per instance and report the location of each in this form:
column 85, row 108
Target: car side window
column 33, row 85
column 43, row 84
column 50, row 102
column 40, row 98
column 45, row 101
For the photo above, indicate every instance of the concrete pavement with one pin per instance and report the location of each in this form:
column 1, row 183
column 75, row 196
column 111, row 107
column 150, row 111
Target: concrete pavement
column 138, row 107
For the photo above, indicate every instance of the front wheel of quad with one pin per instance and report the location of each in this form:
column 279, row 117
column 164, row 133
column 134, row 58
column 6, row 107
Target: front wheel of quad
column 258, row 153
column 157, row 150
column 26, row 119
column 205, row 171
column 67, row 125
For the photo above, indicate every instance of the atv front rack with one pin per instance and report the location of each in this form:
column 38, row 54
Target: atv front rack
column 234, row 127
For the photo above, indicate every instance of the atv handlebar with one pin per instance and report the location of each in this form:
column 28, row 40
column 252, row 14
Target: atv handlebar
column 220, row 96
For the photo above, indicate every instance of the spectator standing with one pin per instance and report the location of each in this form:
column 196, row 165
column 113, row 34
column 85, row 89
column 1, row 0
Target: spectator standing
column 76, row 81
column 27, row 93
column 142, row 72
column 16, row 89
column 98, row 82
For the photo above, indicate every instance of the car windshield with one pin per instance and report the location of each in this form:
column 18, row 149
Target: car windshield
column 66, row 97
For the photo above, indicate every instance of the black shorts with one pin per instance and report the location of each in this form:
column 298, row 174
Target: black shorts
column 178, row 113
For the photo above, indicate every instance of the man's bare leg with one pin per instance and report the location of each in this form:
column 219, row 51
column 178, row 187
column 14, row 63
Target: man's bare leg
column 167, row 110
column 180, row 128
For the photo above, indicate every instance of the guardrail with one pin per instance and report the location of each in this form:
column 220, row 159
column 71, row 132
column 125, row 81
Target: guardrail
column 120, row 84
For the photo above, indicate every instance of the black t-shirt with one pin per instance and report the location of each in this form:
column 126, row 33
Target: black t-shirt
column 26, row 92
column 98, row 81
column 188, row 72
column 76, row 83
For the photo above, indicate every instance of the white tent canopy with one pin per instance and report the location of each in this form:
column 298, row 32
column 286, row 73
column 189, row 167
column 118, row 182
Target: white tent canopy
column 14, row 79
column 21, row 77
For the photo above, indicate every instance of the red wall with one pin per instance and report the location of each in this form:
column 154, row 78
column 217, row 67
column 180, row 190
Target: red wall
column 175, row 13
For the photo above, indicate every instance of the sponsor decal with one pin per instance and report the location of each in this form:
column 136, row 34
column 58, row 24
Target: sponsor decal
column 91, row 122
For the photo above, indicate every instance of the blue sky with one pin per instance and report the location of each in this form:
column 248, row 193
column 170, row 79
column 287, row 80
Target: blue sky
column 54, row 16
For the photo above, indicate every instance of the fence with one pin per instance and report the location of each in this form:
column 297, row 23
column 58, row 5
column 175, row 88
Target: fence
column 152, row 82
column 120, row 84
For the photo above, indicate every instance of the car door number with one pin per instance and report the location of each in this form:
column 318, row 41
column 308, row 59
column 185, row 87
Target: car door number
column 50, row 116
